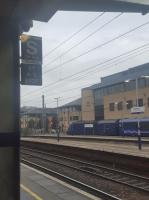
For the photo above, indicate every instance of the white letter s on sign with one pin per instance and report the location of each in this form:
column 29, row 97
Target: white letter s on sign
column 32, row 48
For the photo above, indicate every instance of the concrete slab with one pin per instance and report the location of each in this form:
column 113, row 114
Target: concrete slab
column 36, row 185
column 26, row 196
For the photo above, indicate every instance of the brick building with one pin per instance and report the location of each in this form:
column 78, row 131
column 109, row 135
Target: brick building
column 69, row 113
column 87, row 105
column 116, row 95
column 32, row 117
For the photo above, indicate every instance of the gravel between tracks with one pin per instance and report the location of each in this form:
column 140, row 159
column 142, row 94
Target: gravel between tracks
column 116, row 189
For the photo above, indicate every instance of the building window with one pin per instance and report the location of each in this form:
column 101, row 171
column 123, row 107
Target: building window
column 75, row 118
column 129, row 104
column 70, row 118
column 120, row 106
column 140, row 102
column 78, row 108
column 111, row 106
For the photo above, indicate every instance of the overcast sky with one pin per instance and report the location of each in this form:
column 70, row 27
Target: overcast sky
column 86, row 59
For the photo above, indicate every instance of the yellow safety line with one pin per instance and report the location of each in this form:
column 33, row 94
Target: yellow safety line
column 30, row 192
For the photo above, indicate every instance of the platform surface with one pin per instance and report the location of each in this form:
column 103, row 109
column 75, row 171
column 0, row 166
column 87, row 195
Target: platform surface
column 90, row 137
column 116, row 147
column 36, row 185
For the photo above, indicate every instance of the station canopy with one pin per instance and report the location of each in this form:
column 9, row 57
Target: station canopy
column 43, row 10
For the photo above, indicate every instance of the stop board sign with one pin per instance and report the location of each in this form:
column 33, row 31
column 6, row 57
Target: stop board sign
column 31, row 74
column 31, row 48
column 31, row 58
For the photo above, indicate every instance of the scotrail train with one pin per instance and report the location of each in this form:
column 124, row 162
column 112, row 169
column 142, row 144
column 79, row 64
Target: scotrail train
column 123, row 127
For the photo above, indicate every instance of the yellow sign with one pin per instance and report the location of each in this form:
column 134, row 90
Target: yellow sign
column 24, row 38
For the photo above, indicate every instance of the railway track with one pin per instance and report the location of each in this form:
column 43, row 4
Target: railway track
column 78, row 184
column 127, row 179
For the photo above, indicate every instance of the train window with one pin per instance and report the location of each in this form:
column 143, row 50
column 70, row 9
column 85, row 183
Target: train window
column 144, row 126
column 120, row 106
column 129, row 104
column 140, row 102
column 130, row 125
column 111, row 106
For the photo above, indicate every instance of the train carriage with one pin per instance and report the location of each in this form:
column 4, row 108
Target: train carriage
column 123, row 127
column 106, row 127
column 76, row 128
column 129, row 127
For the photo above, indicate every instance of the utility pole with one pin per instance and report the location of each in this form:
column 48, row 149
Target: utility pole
column 57, row 124
column 137, row 104
column 46, row 121
column 43, row 115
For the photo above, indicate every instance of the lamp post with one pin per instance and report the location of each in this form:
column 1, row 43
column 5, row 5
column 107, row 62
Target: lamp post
column 138, row 122
column 57, row 124
column 43, row 115
column 137, row 105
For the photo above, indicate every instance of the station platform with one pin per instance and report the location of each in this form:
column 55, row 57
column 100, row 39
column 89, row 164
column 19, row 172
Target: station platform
column 36, row 185
column 115, row 146
column 91, row 137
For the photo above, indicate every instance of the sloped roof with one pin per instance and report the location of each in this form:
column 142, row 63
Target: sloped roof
column 35, row 110
column 131, row 73
column 76, row 102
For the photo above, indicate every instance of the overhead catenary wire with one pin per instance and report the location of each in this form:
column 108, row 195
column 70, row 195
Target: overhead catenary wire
column 98, row 46
column 133, row 54
column 84, row 39
column 104, row 68
column 74, row 34
column 49, row 97
column 114, row 62
column 84, row 70
column 62, row 99
column 64, row 91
